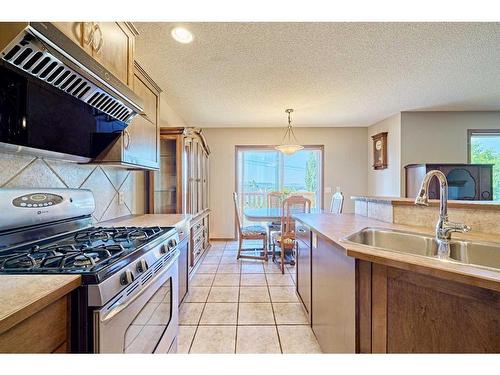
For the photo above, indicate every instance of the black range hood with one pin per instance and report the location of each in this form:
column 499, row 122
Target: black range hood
column 55, row 100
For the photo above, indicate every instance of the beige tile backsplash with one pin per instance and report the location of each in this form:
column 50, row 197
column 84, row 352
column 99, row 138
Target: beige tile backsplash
column 20, row 171
column 487, row 221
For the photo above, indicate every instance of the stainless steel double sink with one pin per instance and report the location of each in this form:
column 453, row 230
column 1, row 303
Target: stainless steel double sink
column 480, row 254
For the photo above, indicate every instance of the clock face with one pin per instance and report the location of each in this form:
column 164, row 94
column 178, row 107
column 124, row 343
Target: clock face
column 378, row 145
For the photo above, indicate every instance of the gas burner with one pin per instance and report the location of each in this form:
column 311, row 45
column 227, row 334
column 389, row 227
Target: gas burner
column 86, row 251
column 86, row 259
column 93, row 235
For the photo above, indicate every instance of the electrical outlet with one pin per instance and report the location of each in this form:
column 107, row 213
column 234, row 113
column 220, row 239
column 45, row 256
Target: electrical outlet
column 328, row 190
column 121, row 198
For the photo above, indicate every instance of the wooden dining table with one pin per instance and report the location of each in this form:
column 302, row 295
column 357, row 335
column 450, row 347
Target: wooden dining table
column 271, row 215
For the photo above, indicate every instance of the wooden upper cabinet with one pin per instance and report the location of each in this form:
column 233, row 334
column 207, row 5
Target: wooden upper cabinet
column 149, row 96
column 141, row 138
column 78, row 32
column 113, row 47
column 112, row 44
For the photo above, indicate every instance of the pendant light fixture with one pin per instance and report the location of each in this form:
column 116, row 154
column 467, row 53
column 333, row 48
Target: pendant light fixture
column 288, row 145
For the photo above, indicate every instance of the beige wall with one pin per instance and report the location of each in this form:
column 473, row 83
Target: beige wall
column 386, row 182
column 168, row 117
column 345, row 165
column 440, row 137
column 18, row 171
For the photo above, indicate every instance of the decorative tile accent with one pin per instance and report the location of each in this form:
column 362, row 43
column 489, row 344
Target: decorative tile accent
column 37, row 175
column 115, row 175
column 115, row 210
column 103, row 192
column 72, row 174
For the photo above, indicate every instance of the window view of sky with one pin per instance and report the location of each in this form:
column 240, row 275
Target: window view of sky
column 485, row 149
column 262, row 170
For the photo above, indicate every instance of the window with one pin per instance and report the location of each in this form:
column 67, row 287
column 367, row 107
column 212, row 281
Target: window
column 261, row 170
column 484, row 148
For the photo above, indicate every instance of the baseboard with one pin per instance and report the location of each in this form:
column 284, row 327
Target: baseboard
column 223, row 239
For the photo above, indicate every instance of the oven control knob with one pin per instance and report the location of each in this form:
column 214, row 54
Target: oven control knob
column 142, row 266
column 127, row 277
column 172, row 243
column 164, row 248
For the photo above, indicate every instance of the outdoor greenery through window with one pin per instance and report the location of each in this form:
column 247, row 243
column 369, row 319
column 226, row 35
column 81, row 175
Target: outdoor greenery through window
column 485, row 149
column 264, row 170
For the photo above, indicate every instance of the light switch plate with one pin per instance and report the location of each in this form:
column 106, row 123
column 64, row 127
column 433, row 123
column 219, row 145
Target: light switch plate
column 121, row 198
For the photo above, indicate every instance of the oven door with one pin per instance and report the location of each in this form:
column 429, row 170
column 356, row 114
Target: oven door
column 146, row 321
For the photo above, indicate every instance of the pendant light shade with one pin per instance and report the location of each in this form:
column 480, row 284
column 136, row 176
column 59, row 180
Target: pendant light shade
column 289, row 145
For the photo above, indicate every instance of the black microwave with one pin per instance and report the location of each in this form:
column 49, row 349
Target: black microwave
column 36, row 118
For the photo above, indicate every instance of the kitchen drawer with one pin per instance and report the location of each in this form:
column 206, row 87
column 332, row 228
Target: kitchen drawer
column 196, row 227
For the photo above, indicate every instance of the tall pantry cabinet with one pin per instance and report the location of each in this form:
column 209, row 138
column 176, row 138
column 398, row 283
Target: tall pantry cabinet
column 181, row 184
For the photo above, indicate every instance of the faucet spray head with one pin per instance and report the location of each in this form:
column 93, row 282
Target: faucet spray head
column 422, row 198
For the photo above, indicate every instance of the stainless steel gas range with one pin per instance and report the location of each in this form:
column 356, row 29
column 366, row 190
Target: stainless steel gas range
column 128, row 302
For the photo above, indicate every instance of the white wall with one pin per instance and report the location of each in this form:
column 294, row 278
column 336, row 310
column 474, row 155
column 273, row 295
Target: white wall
column 386, row 182
column 345, row 165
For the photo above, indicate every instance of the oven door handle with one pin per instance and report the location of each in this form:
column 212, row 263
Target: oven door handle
column 122, row 306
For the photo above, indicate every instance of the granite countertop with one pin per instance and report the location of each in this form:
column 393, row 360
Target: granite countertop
column 398, row 201
column 151, row 220
column 24, row 295
column 335, row 227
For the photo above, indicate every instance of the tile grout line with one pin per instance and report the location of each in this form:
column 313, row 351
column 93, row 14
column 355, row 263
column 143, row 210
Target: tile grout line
column 202, row 311
column 274, row 315
column 205, row 304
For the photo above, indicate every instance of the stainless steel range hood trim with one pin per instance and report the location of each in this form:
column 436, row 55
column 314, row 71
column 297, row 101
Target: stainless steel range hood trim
column 131, row 98
column 71, row 56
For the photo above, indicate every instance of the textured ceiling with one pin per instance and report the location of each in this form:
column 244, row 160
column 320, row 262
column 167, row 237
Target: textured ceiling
column 332, row 74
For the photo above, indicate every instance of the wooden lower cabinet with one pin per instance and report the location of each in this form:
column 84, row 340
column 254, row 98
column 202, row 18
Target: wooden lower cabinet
column 400, row 311
column 47, row 331
column 199, row 239
column 303, row 267
column 333, row 296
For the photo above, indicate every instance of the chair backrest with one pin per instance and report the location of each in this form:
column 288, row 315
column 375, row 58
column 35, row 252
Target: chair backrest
column 274, row 199
column 292, row 205
column 237, row 211
column 337, row 202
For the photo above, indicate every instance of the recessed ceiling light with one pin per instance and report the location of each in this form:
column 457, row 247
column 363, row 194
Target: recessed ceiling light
column 182, row 35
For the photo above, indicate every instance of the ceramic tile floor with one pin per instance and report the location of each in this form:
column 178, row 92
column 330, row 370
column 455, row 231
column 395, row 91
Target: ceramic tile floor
column 244, row 306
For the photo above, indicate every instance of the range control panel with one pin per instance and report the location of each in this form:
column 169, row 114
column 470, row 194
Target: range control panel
column 37, row 200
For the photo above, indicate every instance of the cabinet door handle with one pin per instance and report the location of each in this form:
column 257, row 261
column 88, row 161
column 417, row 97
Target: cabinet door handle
column 126, row 139
column 101, row 39
column 90, row 38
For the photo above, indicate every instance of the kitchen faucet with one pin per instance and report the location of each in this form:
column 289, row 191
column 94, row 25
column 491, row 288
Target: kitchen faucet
column 444, row 227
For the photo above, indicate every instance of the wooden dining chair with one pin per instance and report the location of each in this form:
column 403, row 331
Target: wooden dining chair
column 274, row 200
column 285, row 239
column 254, row 232
column 337, row 202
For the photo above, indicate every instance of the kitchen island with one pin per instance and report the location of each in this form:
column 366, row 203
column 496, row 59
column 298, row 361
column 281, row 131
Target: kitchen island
column 364, row 299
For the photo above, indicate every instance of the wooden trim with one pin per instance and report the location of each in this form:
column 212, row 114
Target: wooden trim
column 363, row 306
column 379, row 308
column 147, row 79
column 132, row 28
column 223, row 238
